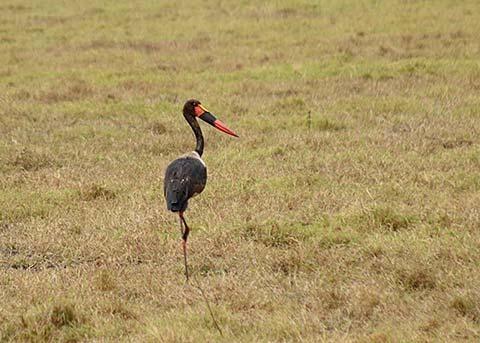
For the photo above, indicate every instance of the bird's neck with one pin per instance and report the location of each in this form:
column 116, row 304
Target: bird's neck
column 192, row 121
column 200, row 143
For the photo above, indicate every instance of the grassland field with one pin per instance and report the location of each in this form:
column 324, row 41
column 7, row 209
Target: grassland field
column 347, row 211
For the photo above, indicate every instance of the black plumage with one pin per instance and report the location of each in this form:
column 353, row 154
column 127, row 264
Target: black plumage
column 185, row 177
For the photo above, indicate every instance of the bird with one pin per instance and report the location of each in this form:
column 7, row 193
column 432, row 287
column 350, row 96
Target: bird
column 186, row 176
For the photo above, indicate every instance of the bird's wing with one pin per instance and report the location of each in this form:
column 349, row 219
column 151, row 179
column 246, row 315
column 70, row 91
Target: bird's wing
column 184, row 178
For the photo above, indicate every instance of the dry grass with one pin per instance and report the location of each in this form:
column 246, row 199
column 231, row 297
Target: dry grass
column 346, row 212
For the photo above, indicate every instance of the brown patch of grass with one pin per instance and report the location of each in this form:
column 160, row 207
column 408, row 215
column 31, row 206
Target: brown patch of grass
column 332, row 299
column 94, row 192
column 62, row 315
column 105, row 281
column 386, row 218
column 377, row 337
column 30, row 160
column 61, row 320
column 419, row 279
column 293, row 261
column 140, row 87
column 121, row 310
column 458, row 143
column 49, row 20
column 324, row 124
column 331, row 239
column 161, row 148
column 430, row 325
column 467, row 306
column 275, row 235
column 70, row 90
column 7, row 40
column 367, row 303
column 143, row 46
column 157, row 128
column 22, row 95
column 14, row 8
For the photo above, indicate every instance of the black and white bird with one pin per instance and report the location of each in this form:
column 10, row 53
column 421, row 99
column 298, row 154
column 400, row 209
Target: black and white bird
column 186, row 176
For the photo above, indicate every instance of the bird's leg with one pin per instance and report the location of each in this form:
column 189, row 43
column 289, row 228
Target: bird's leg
column 184, row 241
column 187, row 229
column 180, row 215
column 181, row 225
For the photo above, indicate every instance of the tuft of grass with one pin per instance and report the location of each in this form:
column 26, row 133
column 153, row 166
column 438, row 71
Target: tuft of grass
column 94, row 192
column 30, row 160
column 157, row 128
column 368, row 303
column 385, row 218
column 332, row 299
column 324, row 124
column 276, row 235
column 467, row 306
column 69, row 90
column 418, row 279
column 288, row 106
column 290, row 262
column 63, row 315
column 105, row 281
column 121, row 310
column 334, row 238
column 61, row 321
column 453, row 144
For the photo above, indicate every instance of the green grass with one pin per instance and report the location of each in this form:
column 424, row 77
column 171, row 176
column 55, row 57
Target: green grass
column 347, row 211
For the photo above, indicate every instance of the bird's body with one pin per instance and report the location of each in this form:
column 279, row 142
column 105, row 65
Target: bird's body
column 186, row 176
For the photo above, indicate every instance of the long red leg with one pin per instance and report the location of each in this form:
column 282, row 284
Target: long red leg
column 184, row 241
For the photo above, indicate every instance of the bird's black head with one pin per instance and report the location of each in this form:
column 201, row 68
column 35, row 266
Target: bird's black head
column 193, row 108
column 189, row 107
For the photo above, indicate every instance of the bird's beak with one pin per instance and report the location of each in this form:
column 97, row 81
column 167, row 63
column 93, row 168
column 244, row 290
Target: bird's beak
column 202, row 113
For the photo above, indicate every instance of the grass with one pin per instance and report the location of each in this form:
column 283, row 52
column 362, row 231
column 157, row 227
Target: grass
column 347, row 211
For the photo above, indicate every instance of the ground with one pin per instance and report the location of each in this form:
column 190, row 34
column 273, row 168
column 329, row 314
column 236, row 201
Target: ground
column 347, row 211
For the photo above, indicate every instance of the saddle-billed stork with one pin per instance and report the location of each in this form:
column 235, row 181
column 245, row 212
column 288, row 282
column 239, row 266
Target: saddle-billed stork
column 186, row 176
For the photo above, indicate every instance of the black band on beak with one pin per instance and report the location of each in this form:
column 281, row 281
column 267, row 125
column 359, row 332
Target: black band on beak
column 208, row 117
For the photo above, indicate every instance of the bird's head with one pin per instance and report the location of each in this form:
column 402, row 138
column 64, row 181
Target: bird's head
column 193, row 108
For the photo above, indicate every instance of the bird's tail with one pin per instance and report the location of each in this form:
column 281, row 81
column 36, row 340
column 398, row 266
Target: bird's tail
column 176, row 196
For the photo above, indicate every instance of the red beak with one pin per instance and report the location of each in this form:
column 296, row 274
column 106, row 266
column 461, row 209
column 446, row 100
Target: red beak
column 222, row 127
column 206, row 116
